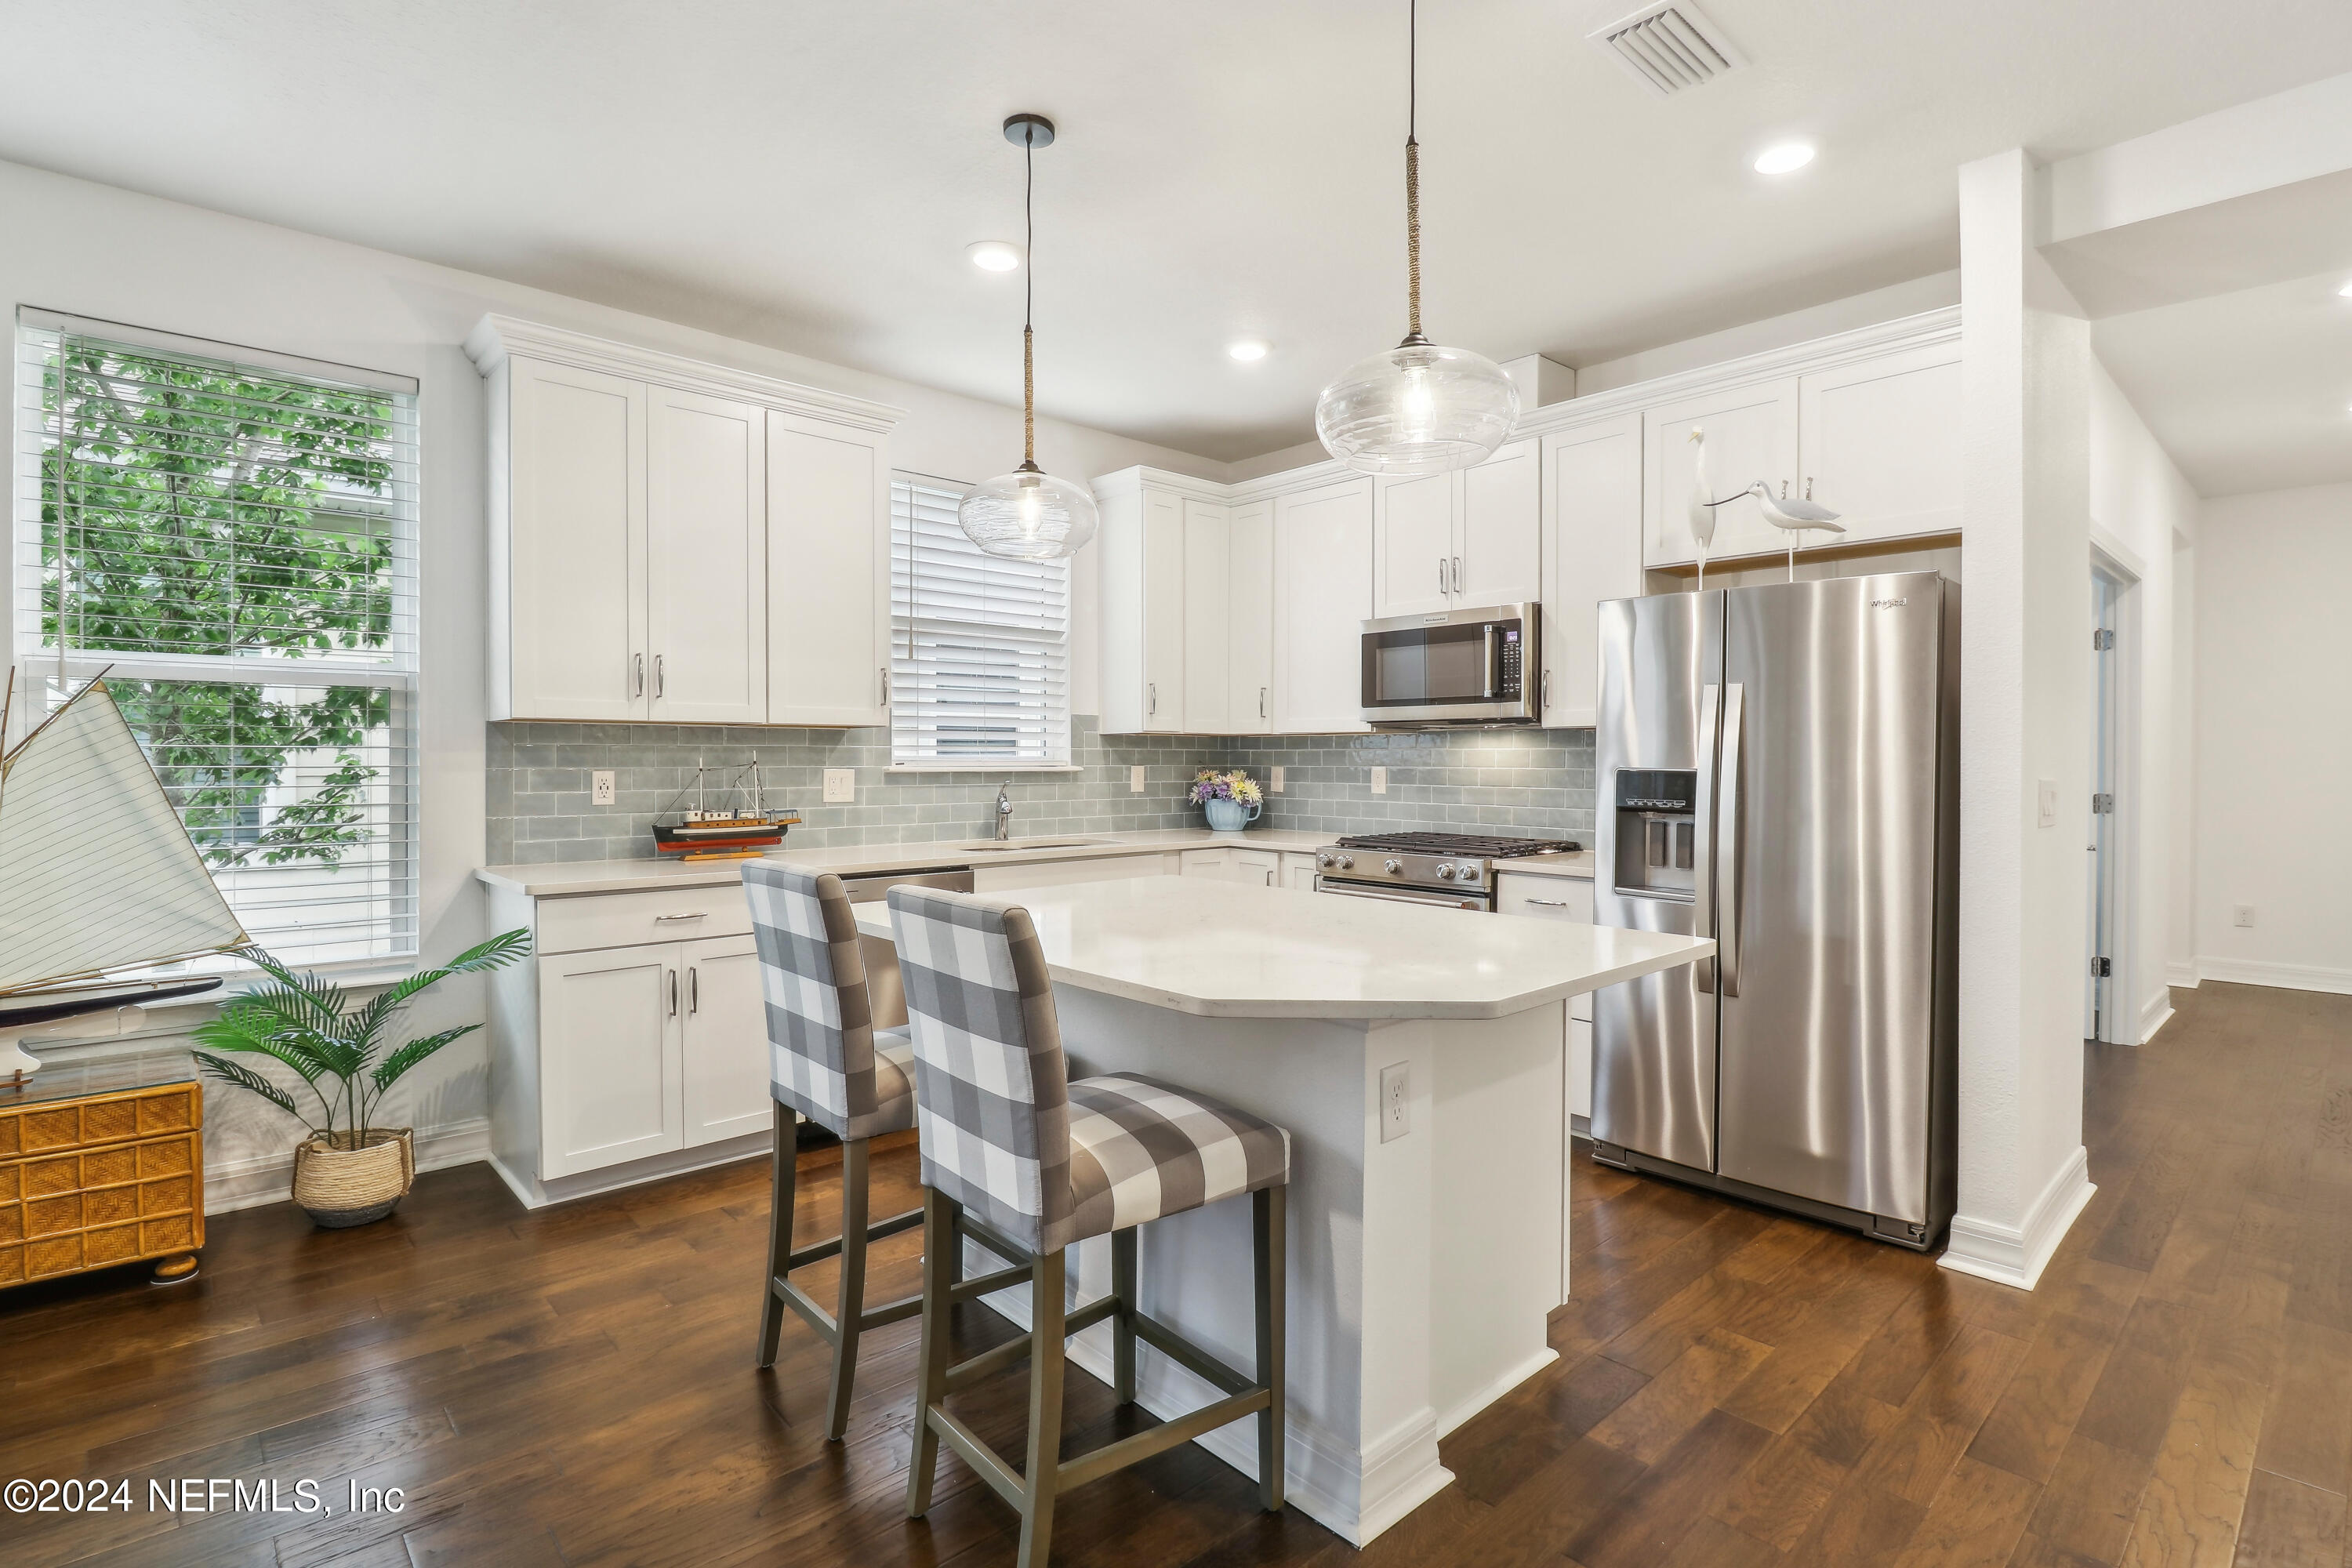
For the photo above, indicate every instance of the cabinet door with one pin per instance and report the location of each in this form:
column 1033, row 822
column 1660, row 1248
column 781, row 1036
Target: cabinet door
column 1881, row 443
column 1751, row 435
column 1592, row 551
column 1298, row 872
column 1163, row 613
column 1498, row 542
column 608, row 1057
column 1217, row 863
column 1257, row 867
column 707, row 570
column 1249, row 607
column 576, row 544
column 1580, row 1069
column 828, row 573
column 1208, row 665
column 1412, row 544
column 725, row 1041
column 1322, row 597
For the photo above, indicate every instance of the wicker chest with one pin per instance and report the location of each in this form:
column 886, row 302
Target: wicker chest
column 101, row 1164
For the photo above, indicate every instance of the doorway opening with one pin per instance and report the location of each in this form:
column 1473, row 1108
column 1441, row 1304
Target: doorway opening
column 2110, row 1013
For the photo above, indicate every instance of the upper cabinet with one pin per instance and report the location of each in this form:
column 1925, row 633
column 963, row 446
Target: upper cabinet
column 1749, row 432
column 1459, row 541
column 1322, row 597
column 1879, row 442
column 1592, row 551
column 679, row 541
column 1148, row 600
column 1249, row 637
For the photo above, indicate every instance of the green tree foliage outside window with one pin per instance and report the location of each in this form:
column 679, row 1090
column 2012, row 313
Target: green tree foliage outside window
column 191, row 508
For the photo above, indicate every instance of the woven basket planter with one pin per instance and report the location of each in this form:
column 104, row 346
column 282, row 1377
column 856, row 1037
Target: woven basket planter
column 353, row 1178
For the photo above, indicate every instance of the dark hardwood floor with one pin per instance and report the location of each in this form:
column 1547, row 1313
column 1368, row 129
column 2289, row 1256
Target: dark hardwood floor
column 575, row 1386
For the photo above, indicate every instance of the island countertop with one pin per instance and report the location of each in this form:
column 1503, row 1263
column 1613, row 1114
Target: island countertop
column 1225, row 950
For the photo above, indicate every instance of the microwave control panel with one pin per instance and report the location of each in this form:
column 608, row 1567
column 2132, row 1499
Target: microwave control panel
column 1512, row 660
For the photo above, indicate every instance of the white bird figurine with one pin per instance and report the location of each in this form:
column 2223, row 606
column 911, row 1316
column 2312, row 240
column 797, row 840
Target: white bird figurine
column 1792, row 515
column 1702, row 510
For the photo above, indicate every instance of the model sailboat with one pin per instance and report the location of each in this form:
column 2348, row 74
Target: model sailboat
column 96, row 874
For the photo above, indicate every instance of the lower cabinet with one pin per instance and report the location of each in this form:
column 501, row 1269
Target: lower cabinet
column 648, row 1049
column 993, row 879
column 1254, row 868
column 1560, row 899
column 1298, row 872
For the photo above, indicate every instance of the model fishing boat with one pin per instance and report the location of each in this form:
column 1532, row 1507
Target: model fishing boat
column 737, row 831
column 97, row 875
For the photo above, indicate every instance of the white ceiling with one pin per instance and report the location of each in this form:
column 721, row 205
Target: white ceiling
column 808, row 174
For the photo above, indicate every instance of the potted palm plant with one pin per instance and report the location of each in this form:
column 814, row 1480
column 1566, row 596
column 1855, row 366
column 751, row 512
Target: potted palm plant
column 348, row 1170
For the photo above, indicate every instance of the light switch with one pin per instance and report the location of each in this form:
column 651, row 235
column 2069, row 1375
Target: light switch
column 1135, row 779
column 1275, row 785
column 600, row 787
column 2048, row 797
column 840, row 786
column 1379, row 780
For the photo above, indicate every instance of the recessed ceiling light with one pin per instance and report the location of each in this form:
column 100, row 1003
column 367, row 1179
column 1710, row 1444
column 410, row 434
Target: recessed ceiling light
column 1247, row 348
column 1786, row 158
column 995, row 255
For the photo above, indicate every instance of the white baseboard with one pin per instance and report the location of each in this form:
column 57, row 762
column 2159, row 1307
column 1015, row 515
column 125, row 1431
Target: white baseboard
column 1504, row 1382
column 2016, row 1255
column 2155, row 1014
column 533, row 1194
column 2283, row 976
column 2184, row 975
column 270, row 1178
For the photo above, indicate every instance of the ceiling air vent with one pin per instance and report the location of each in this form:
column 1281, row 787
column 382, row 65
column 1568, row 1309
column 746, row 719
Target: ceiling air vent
column 1670, row 46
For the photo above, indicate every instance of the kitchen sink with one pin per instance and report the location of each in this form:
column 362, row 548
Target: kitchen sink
column 1003, row 846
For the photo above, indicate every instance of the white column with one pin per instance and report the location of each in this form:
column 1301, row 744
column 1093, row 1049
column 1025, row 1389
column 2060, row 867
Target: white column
column 2025, row 721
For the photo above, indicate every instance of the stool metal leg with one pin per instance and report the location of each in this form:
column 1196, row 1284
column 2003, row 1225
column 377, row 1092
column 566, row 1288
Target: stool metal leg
column 931, row 1366
column 780, row 1233
column 851, row 1312
column 955, row 1244
column 1122, row 1331
column 1046, row 1352
column 1269, row 1206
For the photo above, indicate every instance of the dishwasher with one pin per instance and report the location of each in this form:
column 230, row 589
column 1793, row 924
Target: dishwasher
column 887, row 998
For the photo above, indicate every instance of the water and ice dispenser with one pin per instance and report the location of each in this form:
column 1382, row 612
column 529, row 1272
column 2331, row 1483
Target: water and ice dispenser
column 1657, row 831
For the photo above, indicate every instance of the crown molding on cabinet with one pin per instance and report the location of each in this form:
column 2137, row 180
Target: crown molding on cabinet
column 495, row 337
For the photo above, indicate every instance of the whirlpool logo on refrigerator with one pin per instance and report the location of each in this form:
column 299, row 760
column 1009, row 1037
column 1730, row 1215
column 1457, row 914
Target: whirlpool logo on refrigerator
column 1888, row 604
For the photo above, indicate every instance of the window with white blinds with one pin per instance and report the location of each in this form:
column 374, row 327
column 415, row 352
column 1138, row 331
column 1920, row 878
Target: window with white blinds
column 232, row 534
column 980, row 647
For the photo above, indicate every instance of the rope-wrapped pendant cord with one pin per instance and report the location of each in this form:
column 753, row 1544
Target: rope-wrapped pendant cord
column 1413, row 171
column 1028, row 299
column 1028, row 398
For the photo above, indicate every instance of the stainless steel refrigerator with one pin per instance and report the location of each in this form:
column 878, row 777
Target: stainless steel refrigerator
column 1775, row 767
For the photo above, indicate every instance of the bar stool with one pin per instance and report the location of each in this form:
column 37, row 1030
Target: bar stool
column 1026, row 1162
column 826, row 1062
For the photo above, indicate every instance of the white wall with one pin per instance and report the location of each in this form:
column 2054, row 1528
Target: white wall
column 93, row 250
column 2274, row 738
column 2145, row 514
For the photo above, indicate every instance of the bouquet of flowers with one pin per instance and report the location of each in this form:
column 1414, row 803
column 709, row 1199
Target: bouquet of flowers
column 1207, row 785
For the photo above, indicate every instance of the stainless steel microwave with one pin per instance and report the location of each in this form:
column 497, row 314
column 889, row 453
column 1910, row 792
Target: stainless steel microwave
column 1458, row 667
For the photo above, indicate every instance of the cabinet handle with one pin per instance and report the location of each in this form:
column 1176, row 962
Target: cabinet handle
column 1457, row 573
column 1551, row 903
column 697, row 916
column 1547, row 691
column 637, row 676
column 1441, row 576
column 694, row 989
column 1261, row 701
column 673, row 993
column 882, row 684
column 1151, row 696
column 660, row 680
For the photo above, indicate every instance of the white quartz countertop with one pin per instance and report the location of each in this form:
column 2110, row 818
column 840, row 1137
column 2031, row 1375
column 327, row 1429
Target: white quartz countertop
column 1225, row 950
column 864, row 860
column 1578, row 865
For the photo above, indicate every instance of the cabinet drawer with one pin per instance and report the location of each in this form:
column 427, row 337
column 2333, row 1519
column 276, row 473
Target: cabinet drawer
column 625, row 920
column 1546, row 897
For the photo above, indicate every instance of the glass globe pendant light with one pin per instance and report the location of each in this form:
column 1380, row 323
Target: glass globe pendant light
column 1418, row 408
column 1028, row 514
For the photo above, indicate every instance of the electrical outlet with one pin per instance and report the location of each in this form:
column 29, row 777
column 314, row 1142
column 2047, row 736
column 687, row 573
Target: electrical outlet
column 2242, row 914
column 840, row 786
column 1135, row 779
column 600, row 787
column 1396, row 1102
column 2047, row 800
column 1275, row 785
column 1379, row 780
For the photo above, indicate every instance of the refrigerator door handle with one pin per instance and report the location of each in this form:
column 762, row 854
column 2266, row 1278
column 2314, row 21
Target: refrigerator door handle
column 1726, row 843
column 1702, row 864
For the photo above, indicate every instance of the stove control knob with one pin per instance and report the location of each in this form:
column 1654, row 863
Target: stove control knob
column 1467, row 874
column 1324, row 860
column 1392, row 867
column 1445, row 871
column 1346, row 862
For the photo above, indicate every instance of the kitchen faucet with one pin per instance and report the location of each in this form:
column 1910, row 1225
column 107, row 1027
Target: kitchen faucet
column 1003, row 810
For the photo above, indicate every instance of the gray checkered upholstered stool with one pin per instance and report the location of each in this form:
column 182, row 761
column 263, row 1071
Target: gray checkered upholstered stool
column 826, row 1062
column 1025, row 1162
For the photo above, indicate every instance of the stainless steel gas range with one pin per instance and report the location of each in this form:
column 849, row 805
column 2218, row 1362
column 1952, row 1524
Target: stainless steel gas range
column 1450, row 871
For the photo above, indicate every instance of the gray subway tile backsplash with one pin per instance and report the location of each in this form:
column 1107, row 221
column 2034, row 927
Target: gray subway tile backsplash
column 1538, row 782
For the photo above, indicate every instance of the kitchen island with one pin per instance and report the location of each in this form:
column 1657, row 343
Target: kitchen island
column 1428, row 1222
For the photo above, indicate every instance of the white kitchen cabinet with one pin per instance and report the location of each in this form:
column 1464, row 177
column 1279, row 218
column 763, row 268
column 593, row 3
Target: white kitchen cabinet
column 707, row 559
column 1322, row 597
column 722, row 1040
column 1591, row 552
column 1751, row 435
column 611, row 1072
column 1232, row 863
column 1560, row 899
column 828, row 573
column 1580, row 1070
column 1879, row 444
column 1298, row 871
column 1459, row 541
column 1208, row 618
column 679, row 542
column 1142, row 552
column 1249, row 593
column 568, row 566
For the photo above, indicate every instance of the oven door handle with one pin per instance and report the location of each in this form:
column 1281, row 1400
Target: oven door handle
column 1399, row 896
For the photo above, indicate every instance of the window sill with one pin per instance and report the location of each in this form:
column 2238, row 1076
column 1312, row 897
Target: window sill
column 988, row 769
